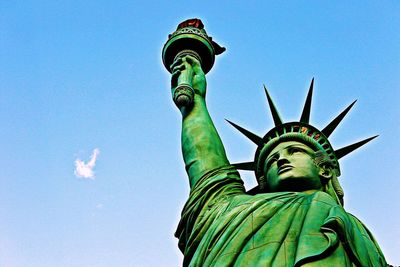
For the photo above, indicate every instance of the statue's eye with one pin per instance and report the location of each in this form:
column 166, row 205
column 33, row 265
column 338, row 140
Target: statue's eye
column 271, row 161
column 296, row 150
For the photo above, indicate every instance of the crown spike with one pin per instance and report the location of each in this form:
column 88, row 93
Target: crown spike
column 305, row 115
column 255, row 138
column 275, row 115
column 350, row 148
column 247, row 166
column 328, row 130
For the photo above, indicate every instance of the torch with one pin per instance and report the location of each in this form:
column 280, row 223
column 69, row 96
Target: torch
column 190, row 38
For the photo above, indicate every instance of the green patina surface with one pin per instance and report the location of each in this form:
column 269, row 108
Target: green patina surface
column 296, row 219
column 222, row 226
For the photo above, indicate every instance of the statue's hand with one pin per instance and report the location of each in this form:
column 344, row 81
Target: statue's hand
column 188, row 69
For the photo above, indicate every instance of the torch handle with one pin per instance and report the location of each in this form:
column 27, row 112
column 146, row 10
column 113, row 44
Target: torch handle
column 183, row 93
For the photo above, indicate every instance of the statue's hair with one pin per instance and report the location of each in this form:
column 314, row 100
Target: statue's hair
column 322, row 160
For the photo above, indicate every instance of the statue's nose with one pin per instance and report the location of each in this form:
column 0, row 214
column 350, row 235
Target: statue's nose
column 283, row 159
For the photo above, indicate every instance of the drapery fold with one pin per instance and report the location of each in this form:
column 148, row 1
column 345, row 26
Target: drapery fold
column 223, row 226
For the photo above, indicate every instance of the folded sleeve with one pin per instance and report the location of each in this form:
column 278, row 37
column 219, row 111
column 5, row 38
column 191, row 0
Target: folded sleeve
column 215, row 187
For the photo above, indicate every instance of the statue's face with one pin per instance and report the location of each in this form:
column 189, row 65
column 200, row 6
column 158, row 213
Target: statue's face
column 290, row 167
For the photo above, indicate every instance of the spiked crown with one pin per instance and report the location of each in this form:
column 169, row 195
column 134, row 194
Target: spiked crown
column 300, row 131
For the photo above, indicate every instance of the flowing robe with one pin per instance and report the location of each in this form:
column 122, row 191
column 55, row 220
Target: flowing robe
column 221, row 225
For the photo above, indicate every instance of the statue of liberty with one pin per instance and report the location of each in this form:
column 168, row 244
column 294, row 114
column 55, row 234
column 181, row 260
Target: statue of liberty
column 295, row 216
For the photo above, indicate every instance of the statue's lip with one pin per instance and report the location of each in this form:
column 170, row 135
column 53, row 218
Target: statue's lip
column 284, row 168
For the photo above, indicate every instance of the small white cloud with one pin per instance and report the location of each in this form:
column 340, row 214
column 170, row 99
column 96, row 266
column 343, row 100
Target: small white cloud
column 99, row 206
column 85, row 170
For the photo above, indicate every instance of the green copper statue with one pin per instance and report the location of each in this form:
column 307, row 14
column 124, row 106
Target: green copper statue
column 294, row 217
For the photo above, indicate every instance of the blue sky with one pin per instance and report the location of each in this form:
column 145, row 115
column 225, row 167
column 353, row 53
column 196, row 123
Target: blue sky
column 80, row 75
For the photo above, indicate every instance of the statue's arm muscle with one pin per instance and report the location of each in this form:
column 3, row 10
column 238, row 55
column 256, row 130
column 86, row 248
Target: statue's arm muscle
column 202, row 147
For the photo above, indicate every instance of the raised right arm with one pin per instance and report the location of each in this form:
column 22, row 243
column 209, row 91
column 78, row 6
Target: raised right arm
column 202, row 147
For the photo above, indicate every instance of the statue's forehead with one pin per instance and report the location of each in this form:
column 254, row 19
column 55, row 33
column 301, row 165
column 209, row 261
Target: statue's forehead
column 287, row 144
